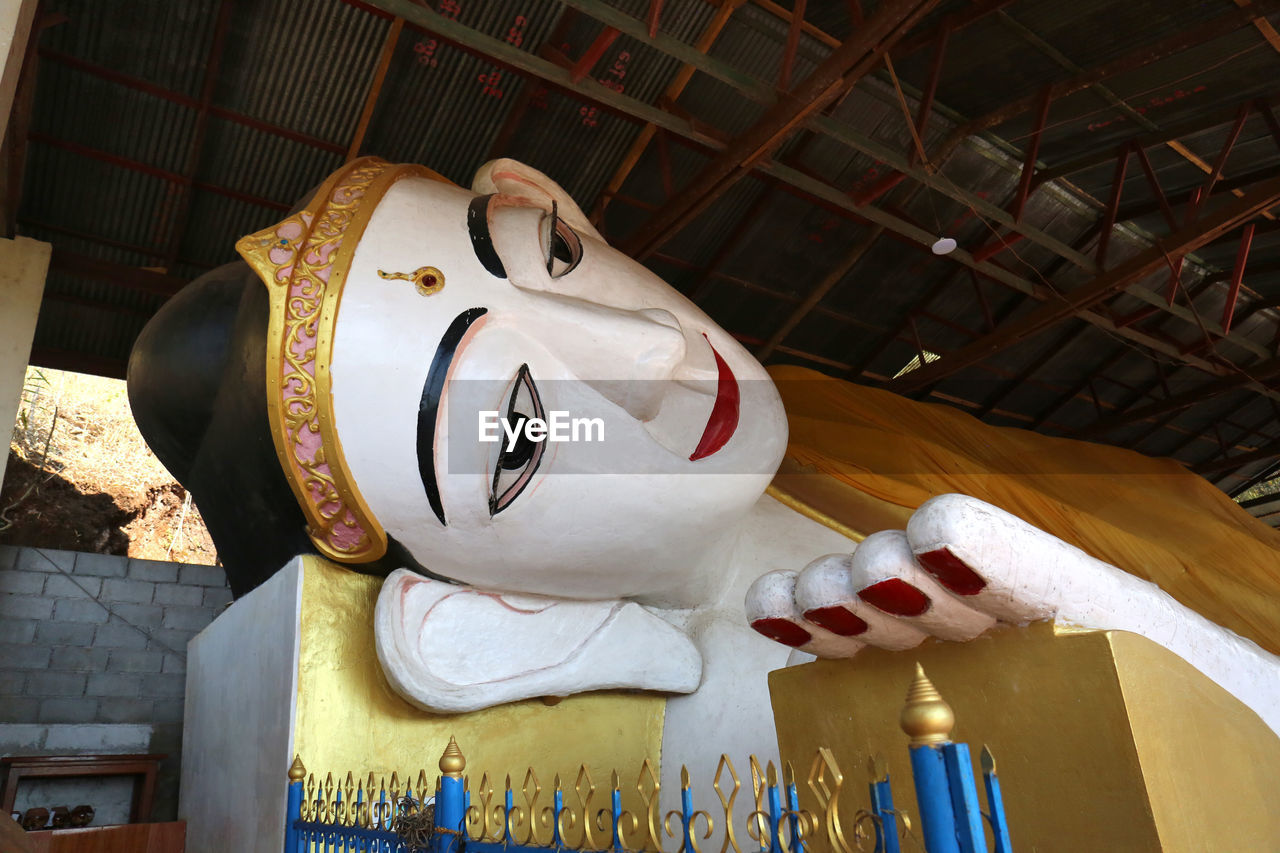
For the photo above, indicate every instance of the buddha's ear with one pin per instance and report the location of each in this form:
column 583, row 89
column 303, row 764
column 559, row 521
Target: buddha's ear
column 510, row 177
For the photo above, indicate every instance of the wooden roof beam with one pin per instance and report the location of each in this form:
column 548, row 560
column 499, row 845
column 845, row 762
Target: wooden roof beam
column 1198, row 34
column 673, row 91
column 1182, row 197
column 1149, row 140
column 1229, row 463
column 1259, row 373
column 522, row 62
column 838, row 72
column 186, row 190
column 122, row 275
column 1059, row 307
column 763, row 94
column 846, row 265
column 149, row 88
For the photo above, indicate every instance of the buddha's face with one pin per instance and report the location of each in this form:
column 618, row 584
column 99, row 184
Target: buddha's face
column 537, row 314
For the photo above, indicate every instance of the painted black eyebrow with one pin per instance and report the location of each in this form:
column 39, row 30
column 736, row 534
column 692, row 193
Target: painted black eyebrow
column 429, row 406
column 481, row 242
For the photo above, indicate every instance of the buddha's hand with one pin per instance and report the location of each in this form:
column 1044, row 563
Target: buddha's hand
column 963, row 565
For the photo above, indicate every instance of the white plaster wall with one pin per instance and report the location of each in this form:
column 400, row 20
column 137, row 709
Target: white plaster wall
column 237, row 744
column 731, row 712
column 23, row 265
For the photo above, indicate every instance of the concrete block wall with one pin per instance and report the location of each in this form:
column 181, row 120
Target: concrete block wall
column 92, row 647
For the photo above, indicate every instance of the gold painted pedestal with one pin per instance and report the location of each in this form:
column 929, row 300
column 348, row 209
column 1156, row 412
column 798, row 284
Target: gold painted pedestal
column 347, row 717
column 1104, row 740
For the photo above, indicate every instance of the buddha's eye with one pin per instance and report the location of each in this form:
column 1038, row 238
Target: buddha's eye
column 518, row 458
column 560, row 245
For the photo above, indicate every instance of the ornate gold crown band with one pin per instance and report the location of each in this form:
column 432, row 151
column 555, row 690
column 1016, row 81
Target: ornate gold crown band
column 304, row 262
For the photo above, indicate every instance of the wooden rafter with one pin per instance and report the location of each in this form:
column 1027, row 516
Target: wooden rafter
column 673, row 91
column 137, row 83
column 154, row 171
column 1230, row 463
column 1258, row 373
column 829, row 281
column 182, row 215
column 1059, row 307
column 1198, row 34
column 762, row 93
column 375, row 87
column 837, row 73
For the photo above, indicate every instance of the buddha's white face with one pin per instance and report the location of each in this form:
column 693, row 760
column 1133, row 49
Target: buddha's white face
column 538, row 315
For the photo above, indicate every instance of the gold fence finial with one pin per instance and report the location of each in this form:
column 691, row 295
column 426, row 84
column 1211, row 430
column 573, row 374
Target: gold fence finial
column 452, row 763
column 926, row 717
column 296, row 771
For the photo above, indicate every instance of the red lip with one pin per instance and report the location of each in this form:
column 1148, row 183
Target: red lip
column 724, row 414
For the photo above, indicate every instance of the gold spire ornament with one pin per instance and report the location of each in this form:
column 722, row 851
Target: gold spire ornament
column 296, row 771
column 452, row 762
column 926, row 717
column 304, row 262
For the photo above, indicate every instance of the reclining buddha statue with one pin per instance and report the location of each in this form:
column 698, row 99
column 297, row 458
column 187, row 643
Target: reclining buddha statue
column 396, row 381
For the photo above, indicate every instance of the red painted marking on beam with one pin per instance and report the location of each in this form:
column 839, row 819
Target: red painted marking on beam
column 612, row 77
column 1153, row 103
column 515, row 34
column 583, row 66
column 491, row 82
column 426, row 50
column 1237, row 276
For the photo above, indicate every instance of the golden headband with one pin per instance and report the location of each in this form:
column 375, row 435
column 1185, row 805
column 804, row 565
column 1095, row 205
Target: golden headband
column 304, row 262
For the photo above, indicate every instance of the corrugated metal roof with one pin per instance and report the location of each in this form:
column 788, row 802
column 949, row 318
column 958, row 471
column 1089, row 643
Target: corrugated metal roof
column 105, row 174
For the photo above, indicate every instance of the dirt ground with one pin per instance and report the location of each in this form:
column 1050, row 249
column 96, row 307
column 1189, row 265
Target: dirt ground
column 81, row 478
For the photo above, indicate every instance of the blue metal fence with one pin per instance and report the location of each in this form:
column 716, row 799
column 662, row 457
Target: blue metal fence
column 349, row 817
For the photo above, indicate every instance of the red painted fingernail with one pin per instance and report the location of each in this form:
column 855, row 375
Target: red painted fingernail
column 837, row 620
column 952, row 572
column 896, row 596
column 783, row 631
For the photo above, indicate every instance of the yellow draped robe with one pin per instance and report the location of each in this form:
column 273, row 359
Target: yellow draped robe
column 883, row 455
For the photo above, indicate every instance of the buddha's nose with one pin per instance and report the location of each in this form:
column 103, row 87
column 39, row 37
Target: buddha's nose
column 629, row 357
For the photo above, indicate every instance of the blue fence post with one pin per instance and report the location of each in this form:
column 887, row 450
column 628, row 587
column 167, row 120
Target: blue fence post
column 615, row 814
column 293, row 809
column 929, row 720
column 797, row 844
column 886, row 822
column 964, row 798
column 995, row 803
column 450, row 805
column 775, row 808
